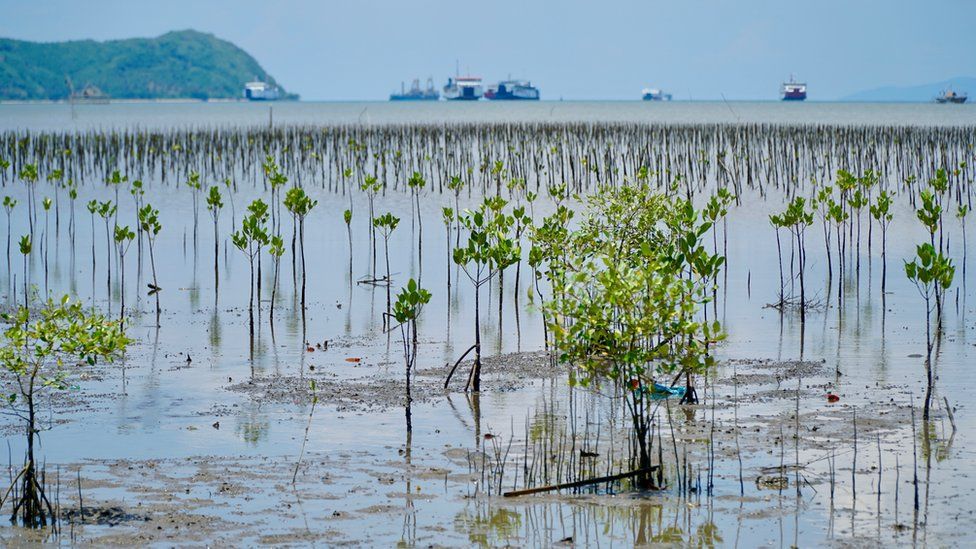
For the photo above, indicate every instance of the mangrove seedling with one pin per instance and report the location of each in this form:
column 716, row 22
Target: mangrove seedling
column 251, row 237
column 276, row 249
column 929, row 271
column 881, row 212
column 106, row 210
column 46, row 204
column 214, row 204
column 9, row 204
column 386, row 224
column 299, row 204
column 29, row 176
column 123, row 239
column 409, row 303
column 491, row 248
column 347, row 217
column 149, row 221
column 39, row 353
column 447, row 214
column 195, row 186
column 371, row 187
column 25, row 249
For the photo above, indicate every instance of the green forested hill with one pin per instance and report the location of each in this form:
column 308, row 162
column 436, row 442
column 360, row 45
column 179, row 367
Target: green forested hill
column 184, row 64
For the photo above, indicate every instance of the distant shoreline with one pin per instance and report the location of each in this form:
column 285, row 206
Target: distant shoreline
column 137, row 101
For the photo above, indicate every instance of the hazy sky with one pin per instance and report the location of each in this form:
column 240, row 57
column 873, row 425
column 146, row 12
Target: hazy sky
column 600, row 49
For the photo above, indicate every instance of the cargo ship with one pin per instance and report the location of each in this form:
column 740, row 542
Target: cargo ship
column 512, row 90
column 260, row 91
column 950, row 96
column 415, row 93
column 654, row 94
column 793, row 91
column 463, row 88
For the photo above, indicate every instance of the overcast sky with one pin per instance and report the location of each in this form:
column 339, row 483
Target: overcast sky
column 574, row 49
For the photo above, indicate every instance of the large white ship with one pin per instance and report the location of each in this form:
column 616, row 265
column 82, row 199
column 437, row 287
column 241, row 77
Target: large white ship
column 463, row 88
column 257, row 90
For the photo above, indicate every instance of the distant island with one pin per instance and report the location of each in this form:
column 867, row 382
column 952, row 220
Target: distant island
column 177, row 65
column 919, row 93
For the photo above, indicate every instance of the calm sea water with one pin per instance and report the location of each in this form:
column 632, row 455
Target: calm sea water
column 62, row 116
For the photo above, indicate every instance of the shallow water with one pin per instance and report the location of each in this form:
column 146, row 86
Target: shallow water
column 159, row 407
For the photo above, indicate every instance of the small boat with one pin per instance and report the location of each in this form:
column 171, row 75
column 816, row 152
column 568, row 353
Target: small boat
column 415, row 93
column 463, row 88
column 654, row 94
column 512, row 90
column 950, row 96
column 793, row 91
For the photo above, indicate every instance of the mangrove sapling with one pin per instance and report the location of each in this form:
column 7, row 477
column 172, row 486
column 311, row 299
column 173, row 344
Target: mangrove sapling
column 961, row 213
column 46, row 204
column 299, row 205
column 839, row 218
column 116, row 180
column 798, row 218
column 930, row 214
column 823, row 203
column 259, row 212
column 106, row 210
column 276, row 249
column 149, row 221
column 410, row 301
column 371, row 187
column 929, row 270
column 8, row 207
column 447, row 214
column 55, row 179
column 231, row 188
column 881, row 212
column 29, row 176
column 778, row 222
column 347, row 217
column 490, row 249
column 25, row 250
column 857, row 202
column 416, row 184
column 386, row 224
column 123, row 239
column 251, row 237
column 39, row 352
column 276, row 179
column 195, row 187
column 138, row 192
column 455, row 184
column 214, row 204
column 72, row 197
column 627, row 312
column 92, row 207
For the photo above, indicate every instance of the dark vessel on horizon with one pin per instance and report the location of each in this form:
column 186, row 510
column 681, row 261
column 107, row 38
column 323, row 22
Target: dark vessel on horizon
column 654, row 94
column 512, row 90
column 950, row 96
column 415, row 93
column 793, row 91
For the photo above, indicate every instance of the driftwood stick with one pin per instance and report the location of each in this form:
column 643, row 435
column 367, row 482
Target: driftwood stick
column 952, row 419
column 451, row 374
column 580, row 483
